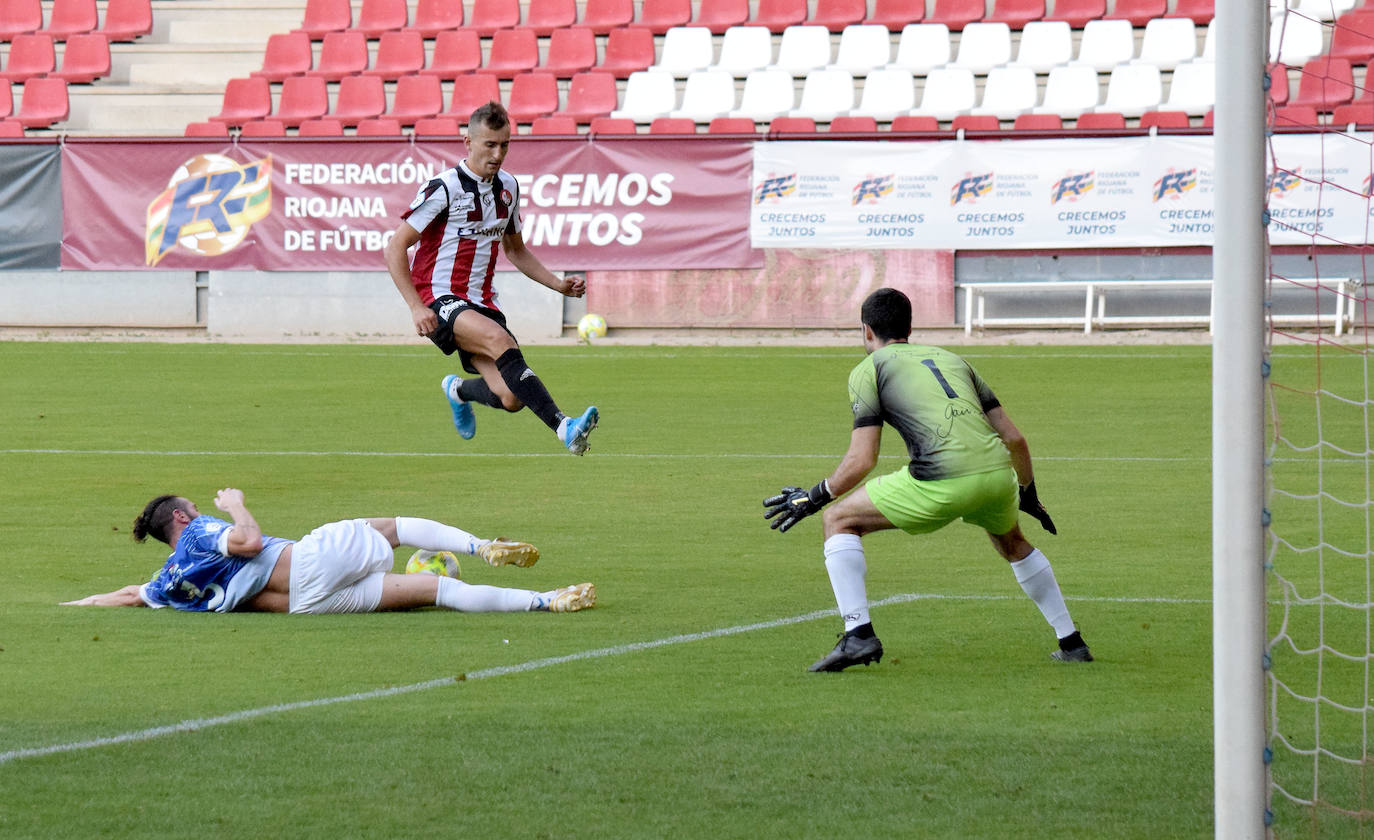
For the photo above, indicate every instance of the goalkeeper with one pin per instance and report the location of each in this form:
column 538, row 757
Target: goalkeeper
column 968, row 461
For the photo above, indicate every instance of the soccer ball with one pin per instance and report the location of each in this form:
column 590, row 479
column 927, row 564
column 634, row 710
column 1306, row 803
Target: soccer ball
column 591, row 327
column 444, row 563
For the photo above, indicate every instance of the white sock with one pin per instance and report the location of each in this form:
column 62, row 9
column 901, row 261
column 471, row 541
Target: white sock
column 1036, row 577
column 844, row 561
column 435, row 536
column 453, row 594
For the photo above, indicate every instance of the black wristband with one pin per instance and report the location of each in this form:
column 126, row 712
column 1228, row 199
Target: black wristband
column 820, row 494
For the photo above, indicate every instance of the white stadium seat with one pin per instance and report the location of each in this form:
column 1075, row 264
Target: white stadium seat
column 708, row 94
column 1133, row 89
column 745, row 48
column 1008, row 93
column 949, row 92
column 863, row 48
column 647, row 95
column 1193, row 88
column 1107, row 43
column 826, row 94
column 983, row 46
column 1168, row 42
column 803, row 49
column 685, row 49
column 1071, row 90
column 1045, row 44
column 888, row 92
column 923, row 47
column 768, row 93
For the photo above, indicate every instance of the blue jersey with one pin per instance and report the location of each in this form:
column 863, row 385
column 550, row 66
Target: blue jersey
column 201, row 576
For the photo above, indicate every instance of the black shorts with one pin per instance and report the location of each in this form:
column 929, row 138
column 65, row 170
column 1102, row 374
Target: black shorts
column 448, row 308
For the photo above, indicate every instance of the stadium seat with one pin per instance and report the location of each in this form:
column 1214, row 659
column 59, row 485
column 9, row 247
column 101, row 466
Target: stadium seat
column 303, row 98
column 923, row 47
column 612, row 125
column 546, row 17
column 956, row 14
column 325, row 16
column 31, row 56
column 673, row 125
column 853, row 124
column 1322, row 10
column 983, row 46
column 1169, row 42
column 553, row 124
column 376, row 17
column 1045, row 44
column 1200, row 12
column 590, row 95
column 1133, row 89
column 11, row 129
column 1106, row 43
column 323, row 127
column 1278, row 84
column 438, row 127
column 244, row 100
column 435, row 16
column 1324, row 84
column 731, row 125
column 768, row 93
column 1193, row 88
column 863, row 48
column 658, row 16
column 1008, row 93
column 896, row 14
column 571, row 51
column 532, row 95
column 792, row 125
column 605, row 16
column 1297, row 116
column 1038, row 122
column 70, row 17
column 341, row 54
column 457, row 52
column 826, row 94
column 719, row 15
column 1099, row 121
column 627, row 51
column 85, row 59
column 686, row 49
column 835, row 15
column 126, row 20
column 1294, row 39
column 1352, row 38
column 949, row 92
column 491, row 16
column 1077, row 13
column 803, row 49
column 287, row 54
column 1358, row 114
column 1070, row 90
column 1209, row 44
column 416, row 97
column 777, row 15
column 888, row 92
column 1165, row 119
column 513, row 51
column 6, row 99
column 707, row 94
column 400, row 53
column 471, row 92
column 1016, row 13
column 647, row 95
column 263, row 128
column 375, row 127
column 913, row 122
column 20, row 17
column 206, row 129
column 1138, row 12
column 745, row 48
column 972, row 122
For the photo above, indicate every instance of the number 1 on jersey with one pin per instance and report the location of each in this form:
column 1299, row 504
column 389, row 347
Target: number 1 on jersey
column 940, row 377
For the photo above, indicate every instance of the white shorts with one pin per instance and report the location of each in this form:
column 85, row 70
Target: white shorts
column 338, row 568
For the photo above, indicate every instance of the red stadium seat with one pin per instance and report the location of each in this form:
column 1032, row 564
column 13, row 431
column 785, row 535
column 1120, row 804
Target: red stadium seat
column 379, row 127
column 1165, row 119
column 546, row 17
column 513, row 51
column 1138, row 12
column 342, row 54
column 1278, row 84
column 325, row 16
column 263, row 128
column 658, row 16
column 438, row 127
column 457, row 52
column 553, row 124
column 44, row 103
column 731, row 125
column 1201, row 11
column 435, row 16
column 777, row 15
column 206, row 129
column 590, row 95
column 11, row 129
column 379, row 16
column 956, row 14
column 1038, row 122
column 1296, row 116
column 1100, row 121
column 720, row 15
column 6, row 99
column 70, row 17
column 85, row 59
column 471, row 92
column 360, row 98
column 399, row 54
column 915, row 122
column 1353, row 37
column 571, row 51
column 853, row 124
column 20, row 17
column 835, row 15
column 323, row 127
column 1016, row 13
column 532, row 95
column 31, row 56
column 1078, row 12
column 976, row 122
column 126, row 20
column 672, row 125
column 605, row 16
column 612, row 125
column 244, row 100
column 791, row 125
column 627, row 51
column 417, row 97
column 1325, row 83
column 896, row 14
column 287, row 54
column 489, row 16
column 302, row 98
column 1358, row 114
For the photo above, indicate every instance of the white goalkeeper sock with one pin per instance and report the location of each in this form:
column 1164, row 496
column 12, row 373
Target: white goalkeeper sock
column 453, row 594
column 844, row 561
column 1036, row 577
column 435, row 536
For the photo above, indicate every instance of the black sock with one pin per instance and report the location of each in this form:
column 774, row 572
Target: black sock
column 1071, row 641
column 477, row 390
column 528, row 388
column 863, row 631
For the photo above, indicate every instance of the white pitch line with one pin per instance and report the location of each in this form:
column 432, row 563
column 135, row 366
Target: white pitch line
column 198, row 724
column 672, row 456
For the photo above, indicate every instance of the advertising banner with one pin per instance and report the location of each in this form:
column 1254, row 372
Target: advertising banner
column 311, row 206
column 30, row 206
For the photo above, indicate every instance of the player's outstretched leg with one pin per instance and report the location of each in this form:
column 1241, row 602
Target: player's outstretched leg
column 579, row 596
column 504, row 552
column 573, row 431
column 463, row 418
column 859, row 646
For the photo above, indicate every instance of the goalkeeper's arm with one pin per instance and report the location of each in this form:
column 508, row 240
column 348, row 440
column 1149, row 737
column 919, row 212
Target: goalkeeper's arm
column 1021, row 462
column 862, row 456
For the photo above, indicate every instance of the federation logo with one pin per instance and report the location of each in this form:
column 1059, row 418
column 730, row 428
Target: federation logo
column 775, row 188
column 1072, row 187
column 1283, row 183
column 871, row 189
column 970, row 188
column 1174, row 184
column 209, row 206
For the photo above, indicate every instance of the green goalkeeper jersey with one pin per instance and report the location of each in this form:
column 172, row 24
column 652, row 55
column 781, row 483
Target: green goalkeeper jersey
column 936, row 402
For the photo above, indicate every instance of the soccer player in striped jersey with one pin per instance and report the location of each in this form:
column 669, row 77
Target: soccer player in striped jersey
column 968, row 461
column 459, row 223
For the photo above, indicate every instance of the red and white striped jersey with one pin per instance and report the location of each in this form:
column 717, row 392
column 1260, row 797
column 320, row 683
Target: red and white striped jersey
column 461, row 219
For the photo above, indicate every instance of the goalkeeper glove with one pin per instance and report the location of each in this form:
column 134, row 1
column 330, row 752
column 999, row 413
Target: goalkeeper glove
column 794, row 504
column 1030, row 503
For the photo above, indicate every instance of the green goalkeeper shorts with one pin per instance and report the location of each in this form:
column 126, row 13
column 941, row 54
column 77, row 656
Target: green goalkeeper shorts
column 988, row 500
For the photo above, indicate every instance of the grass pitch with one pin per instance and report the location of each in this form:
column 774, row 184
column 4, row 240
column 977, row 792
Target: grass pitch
column 680, row 706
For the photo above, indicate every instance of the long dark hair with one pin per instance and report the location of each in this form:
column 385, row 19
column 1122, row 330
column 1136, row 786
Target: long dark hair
column 155, row 518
